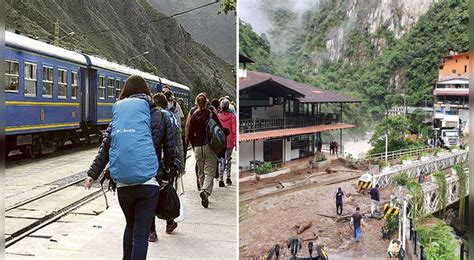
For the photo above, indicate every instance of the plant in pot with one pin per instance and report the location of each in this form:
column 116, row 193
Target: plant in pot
column 390, row 226
column 263, row 168
column 400, row 180
column 320, row 160
column 406, row 159
column 424, row 156
column 439, row 151
column 383, row 165
column 454, row 148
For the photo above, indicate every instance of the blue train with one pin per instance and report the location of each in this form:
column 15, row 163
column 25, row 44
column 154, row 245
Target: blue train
column 55, row 96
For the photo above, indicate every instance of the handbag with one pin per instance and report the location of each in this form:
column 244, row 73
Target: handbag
column 182, row 201
column 168, row 205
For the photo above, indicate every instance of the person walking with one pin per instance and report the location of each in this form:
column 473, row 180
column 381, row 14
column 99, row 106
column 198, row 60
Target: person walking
column 132, row 145
column 178, row 167
column 205, row 158
column 357, row 221
column 375, row 199
column 228, row 121
column 339, row 196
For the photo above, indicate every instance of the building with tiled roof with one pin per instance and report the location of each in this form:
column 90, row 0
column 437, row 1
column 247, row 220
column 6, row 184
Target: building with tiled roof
column 282, row 120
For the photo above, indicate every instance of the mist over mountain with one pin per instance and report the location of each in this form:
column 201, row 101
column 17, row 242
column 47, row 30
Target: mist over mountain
column 373, row 50
column 216, row 31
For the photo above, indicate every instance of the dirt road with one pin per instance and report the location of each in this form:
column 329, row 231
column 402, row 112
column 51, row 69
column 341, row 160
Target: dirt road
column 269, row 220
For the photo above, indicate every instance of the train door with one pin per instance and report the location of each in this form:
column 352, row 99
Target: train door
column 92, row 97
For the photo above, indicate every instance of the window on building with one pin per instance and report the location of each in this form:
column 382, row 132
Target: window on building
column 47, row 81
column 30, row 79
column 74, row 87
column 118, row 88
column 454, row 71
column 101, row 87
column 62, row 83
column 465, row 68
column 292, row 107
column 110, row 87
column 12, row 75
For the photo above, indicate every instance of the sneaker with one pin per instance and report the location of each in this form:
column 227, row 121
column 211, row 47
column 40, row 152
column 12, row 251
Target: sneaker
column 228, row 181
column 204, row 199
column 170, row 228
column 221, row 183
column 152, row 237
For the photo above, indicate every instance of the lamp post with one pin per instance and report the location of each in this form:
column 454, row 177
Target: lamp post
column 386, row 147
column 139, row 55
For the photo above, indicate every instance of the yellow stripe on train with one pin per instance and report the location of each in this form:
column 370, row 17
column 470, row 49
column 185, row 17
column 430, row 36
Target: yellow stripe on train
column 389, row 210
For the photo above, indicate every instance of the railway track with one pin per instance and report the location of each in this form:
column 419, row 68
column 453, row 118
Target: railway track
column 20, row 159
column 35, row 213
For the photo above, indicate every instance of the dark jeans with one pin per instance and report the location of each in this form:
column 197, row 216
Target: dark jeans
column 138, row 204
column 338, row 206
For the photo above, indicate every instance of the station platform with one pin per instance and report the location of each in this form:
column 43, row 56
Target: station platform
column 205, row 233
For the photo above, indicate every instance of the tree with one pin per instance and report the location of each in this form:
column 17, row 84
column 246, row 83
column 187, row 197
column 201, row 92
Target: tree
column 396, row 127
column 228, row 6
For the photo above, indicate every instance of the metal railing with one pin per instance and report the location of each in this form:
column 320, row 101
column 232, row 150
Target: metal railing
column 415, row 169
column 264, row 124
column 393, row 155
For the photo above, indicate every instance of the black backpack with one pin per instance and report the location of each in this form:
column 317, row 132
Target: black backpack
column 216, row 138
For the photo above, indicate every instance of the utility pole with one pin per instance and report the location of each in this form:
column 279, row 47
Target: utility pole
column 56, row 33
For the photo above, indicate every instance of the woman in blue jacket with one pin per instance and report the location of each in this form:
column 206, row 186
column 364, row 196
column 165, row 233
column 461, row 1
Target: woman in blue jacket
column 133, row 144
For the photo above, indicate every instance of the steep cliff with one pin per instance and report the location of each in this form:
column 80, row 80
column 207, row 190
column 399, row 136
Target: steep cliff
column 119, row 30
column 205, row 25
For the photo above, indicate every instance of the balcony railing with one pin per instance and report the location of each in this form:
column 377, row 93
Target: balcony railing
column 264, row 124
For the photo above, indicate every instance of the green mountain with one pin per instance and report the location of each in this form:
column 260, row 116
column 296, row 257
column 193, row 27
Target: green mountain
column 372, row 50
column 119, row 30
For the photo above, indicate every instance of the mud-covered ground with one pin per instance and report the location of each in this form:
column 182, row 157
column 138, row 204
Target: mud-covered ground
column 271, row 219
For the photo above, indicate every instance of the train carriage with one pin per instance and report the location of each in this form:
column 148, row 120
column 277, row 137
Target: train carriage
column 54, row 95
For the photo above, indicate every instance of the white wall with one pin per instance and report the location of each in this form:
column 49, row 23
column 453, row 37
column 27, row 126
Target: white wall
column 288, row 153
column 246, row 153
column 268, row 112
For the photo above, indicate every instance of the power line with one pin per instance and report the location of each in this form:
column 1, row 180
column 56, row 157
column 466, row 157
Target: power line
column 186, row 11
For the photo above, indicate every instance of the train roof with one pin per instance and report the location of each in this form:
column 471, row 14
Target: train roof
column 105, row 64
column 29, row 44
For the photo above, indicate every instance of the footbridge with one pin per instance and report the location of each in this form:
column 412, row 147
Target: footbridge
column 417, row 168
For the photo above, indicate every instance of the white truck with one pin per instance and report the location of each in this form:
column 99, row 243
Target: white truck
column 446, row 137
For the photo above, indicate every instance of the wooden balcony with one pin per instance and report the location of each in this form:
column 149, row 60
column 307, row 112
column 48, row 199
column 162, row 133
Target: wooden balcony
column 265, row 124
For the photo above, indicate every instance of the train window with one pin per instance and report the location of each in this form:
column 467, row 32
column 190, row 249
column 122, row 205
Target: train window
column 30, row 79
column 101, row 87
column 62, row 83
column 74, row 85
column 110, row 87
column 118, row 88
column 12, row 75
column 47, row 81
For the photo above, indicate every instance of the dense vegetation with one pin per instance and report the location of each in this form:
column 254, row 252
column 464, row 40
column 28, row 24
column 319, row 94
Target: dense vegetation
column 257, row 48
column 398, row 130
column 374, row 74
